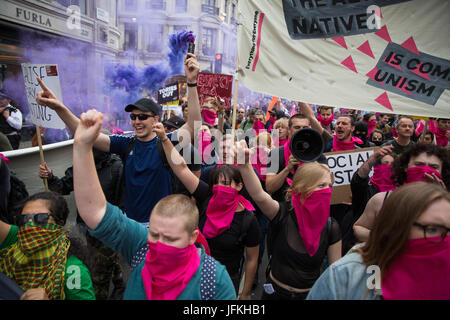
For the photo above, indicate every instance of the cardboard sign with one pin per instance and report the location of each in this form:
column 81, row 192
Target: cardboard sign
column 42, row 115
column 343, row 164
column 168, row 94
column 213, row 85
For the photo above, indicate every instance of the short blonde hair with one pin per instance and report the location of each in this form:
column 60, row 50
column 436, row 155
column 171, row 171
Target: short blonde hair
column 283, row 122
column 307, row 178
column 268, row 138
column 178, row 205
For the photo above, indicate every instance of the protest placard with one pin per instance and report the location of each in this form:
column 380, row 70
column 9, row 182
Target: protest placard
column 343, row 164
column 42, row 115
column 168, row 95
column 215, row 85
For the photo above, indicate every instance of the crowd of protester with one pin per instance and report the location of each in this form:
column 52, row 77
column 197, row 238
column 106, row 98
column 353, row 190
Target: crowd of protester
column 192, row 204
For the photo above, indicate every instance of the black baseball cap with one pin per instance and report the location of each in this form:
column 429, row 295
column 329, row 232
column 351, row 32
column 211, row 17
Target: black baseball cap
column 144, row 104
column 3, row 95
column 174, row 122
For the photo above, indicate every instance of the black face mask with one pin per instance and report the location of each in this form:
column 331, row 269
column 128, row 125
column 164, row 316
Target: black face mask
column 378, row 143
column 361, row 135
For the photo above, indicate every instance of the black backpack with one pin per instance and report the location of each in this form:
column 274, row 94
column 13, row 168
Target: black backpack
column 17, row 195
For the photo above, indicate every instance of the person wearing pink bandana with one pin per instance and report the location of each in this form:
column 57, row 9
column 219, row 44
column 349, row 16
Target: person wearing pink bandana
column 226, row 217
column 166, row 264
column 371, row 120
column 302, row 232
column 343, row 139
column 282, row 164
column 282, row 125
column 325, row 116
column 407, row 257
column 441, row 131
column 421, row 162
column 213, row 113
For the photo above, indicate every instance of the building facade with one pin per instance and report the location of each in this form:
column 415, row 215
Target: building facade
column 147, row 24
column 84, row 31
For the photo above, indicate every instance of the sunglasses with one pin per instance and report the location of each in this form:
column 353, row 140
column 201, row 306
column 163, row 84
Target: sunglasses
column 38, row 218
column 141, row 116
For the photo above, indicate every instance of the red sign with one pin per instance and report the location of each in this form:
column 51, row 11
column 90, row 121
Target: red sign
column 213, row 85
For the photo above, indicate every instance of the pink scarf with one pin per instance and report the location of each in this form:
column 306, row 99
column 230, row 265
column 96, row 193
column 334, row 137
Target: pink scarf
column 209, row 116
column 202, row 240
column 272, row 122
column 258, row 126
column 339, row 145
column 205, row 139
column 259, row 161
column 312, row 216
column 221, row 209
column 381, row 178
column 415, row 174
column 168, row 270
column 371, row 124
column 4, row 158
column 422, row 272
column 325, row 122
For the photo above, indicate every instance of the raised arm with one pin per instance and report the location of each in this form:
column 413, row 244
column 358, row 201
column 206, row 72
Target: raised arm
column 48, row 98
column 264, row 201
column 275, row 181
column 89, row 197
column 364, row 170
column 305, row 109
column 191, row 69
column 176, row 161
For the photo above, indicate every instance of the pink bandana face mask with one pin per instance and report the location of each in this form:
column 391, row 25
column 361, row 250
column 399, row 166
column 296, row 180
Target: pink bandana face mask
column 371, row 124
column 209, row 116
column 420, row 273
column 339, row 145
column 415, row 174
column 221, row 209
column 325, row 122
column 168, row 270
column 381, row 178
column 312, row 216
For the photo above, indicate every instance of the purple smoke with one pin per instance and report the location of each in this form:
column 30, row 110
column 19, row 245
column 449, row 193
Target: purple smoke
column 178, row 45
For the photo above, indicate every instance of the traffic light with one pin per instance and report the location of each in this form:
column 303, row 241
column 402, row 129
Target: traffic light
column 218, row 63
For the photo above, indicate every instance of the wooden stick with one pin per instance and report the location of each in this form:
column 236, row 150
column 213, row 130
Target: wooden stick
column 41, row 152
column 233, row 126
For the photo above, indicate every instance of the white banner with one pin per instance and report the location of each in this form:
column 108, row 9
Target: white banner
column 42, row 115
column 341, row 53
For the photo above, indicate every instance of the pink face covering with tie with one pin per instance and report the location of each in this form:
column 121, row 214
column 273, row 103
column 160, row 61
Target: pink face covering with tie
column 221, row 209
column 209, row 116
column 287, row 154
column 339, row 145
column 371, row 124
column 167, row 270
column 381, row 178
column 205, row 139
column 312, row 215
column 422, row 272
column 415, row 174
column 258, row 126
column 325, row 122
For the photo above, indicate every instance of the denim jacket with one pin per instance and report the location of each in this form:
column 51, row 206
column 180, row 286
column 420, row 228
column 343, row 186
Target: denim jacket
column 346, row 279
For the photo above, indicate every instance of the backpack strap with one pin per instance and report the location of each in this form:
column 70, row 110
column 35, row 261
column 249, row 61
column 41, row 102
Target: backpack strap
column 138, row 257
column 208, row 279
column 124, row 162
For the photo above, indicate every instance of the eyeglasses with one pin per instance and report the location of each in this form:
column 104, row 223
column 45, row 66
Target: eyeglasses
column 432, row 232
column 38, row 218
column 141, row 116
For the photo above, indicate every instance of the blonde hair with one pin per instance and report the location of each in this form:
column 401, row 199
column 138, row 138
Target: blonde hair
column 283, row 122
column 268, row 138
column 178, row 205
column 307, row 178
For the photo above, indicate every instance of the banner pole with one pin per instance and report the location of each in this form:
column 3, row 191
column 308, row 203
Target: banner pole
column 41, row 152
column 233, row 126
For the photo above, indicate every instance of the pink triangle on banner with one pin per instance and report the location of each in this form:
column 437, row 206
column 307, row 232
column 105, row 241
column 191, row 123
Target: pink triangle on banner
column 349, row 63
column 410, row 45
column 340, row 41
column 383, row 33
column 420, row 74
column 366, row 49
column 371, row 74
column 384, row 101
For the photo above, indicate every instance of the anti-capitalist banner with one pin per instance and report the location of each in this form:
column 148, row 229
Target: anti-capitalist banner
column 380, row 55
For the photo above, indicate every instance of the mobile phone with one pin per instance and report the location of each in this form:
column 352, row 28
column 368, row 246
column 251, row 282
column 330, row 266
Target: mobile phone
column 191, row 47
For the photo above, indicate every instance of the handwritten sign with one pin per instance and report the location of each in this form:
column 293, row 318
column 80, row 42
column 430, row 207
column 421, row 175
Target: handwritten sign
column 343, row 164
column 214, row 84
column 42, row 115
